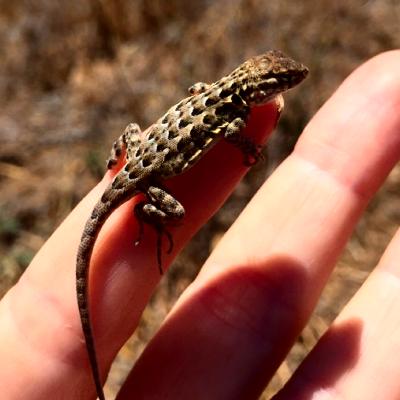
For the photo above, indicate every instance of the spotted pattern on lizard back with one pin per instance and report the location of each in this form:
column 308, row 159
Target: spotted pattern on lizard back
column 170, row 147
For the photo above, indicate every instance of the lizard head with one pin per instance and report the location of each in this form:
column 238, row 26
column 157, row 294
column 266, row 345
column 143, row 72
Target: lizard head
column 264, row 77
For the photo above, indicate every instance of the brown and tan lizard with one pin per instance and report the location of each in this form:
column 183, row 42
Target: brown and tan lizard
column 170, row 147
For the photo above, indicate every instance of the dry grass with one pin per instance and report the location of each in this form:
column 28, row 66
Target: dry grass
column 72, row 78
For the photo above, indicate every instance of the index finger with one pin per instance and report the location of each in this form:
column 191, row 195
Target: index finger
column 39, row 318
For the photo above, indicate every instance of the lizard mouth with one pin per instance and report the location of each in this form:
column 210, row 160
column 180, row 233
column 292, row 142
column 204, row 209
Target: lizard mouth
column 296, row 77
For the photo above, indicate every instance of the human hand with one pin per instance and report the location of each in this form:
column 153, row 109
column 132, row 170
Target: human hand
column 234, row 325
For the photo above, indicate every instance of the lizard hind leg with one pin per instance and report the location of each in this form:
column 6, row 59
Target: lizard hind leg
column 160, row 210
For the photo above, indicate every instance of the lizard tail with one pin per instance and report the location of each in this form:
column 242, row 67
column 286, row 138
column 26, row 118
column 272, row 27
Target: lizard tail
column 110, row 200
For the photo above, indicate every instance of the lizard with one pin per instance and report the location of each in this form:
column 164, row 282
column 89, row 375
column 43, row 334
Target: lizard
column 170, row 147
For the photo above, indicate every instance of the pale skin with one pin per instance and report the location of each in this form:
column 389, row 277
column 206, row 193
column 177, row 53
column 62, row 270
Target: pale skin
column 233, row 326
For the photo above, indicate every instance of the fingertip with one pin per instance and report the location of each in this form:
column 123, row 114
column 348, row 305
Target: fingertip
column 354, row 136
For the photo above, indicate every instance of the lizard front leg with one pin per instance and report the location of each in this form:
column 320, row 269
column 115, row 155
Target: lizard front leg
column 128, row 141
column 251, row 151
column 160, row 210
column 198, row 87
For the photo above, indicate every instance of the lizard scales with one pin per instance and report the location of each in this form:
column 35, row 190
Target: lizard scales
column 170, row 147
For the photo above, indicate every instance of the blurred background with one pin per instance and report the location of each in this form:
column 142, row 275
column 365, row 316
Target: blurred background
column 74, row 74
